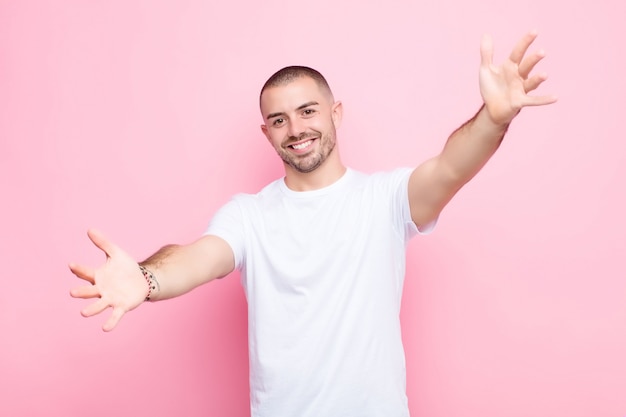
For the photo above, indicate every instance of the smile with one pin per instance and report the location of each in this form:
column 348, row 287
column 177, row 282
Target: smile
column 303, row 145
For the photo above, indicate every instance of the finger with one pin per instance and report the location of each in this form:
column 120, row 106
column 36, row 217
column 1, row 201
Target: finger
column 539, row 100
column 115, row 317
column 529, row 63
column 534, row 82
column 85, row 292
column 522, row 46
column 83, row 272
column 100, row 241
column 486, row 51
column 94, row 308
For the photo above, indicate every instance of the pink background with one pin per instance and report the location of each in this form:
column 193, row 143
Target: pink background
column 140, row 118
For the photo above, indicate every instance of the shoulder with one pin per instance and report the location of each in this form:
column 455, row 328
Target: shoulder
column 246, row 202
column 394, row 174
column 387, row 179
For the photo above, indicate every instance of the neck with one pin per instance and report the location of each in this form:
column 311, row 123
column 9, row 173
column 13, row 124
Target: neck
column 326, row 174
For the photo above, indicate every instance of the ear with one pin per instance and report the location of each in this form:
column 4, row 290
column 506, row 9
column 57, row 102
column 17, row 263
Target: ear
column 337, row 113
column 265, row 132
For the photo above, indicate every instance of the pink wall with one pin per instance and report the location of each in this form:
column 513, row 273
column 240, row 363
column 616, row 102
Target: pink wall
column 140, row 118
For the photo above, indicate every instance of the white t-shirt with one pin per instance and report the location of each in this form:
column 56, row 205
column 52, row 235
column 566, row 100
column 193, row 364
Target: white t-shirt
column 323, row 272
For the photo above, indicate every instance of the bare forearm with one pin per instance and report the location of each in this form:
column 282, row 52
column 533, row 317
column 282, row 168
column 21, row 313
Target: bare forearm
column 436, row 181
column 470, row 146
column 181, row 268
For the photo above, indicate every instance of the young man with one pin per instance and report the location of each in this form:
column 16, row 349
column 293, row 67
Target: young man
column 322, row 250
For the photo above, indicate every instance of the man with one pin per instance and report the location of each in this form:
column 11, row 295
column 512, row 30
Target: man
column 322, row 250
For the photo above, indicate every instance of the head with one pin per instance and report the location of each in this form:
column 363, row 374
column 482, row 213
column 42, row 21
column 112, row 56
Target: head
column 300, row 117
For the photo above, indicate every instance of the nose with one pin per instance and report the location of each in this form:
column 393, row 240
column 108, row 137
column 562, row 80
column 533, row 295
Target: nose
column 296, row 127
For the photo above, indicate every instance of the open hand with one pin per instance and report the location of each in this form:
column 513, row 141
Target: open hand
column 118, row 283
column 505, row 88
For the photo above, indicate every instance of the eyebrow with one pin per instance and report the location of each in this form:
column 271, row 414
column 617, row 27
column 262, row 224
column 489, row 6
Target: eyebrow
column 303, row 106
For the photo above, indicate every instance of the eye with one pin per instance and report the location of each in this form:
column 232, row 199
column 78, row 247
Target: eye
column 308, row 112
column 278, row 122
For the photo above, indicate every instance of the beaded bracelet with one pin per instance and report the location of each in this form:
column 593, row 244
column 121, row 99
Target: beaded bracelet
column 153, row 284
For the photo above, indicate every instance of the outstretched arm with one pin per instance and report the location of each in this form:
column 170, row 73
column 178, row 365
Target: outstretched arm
column 120, row 284
column 504, row 90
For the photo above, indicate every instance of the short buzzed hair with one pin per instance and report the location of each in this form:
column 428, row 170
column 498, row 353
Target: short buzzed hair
column 288, row 74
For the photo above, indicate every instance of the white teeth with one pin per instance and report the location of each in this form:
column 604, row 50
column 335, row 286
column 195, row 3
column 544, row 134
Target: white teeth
column 302, row 145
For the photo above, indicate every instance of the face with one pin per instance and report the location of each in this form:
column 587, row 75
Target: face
column 300, row 123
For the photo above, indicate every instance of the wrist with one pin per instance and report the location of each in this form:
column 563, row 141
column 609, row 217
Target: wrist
column 498, row 118
column 491, row 126
column 153, row 285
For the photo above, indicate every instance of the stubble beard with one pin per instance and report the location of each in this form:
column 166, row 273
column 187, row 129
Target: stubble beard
column 311, row 161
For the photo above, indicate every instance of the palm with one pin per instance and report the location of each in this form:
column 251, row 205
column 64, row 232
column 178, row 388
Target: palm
column 505, row 88
column 118, row 283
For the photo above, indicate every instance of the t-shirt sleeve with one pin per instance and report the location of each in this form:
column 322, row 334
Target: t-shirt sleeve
column 401, row 206
column 228, row 224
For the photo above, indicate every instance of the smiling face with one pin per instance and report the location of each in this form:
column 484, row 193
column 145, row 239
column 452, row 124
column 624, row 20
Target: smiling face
column 300, row 122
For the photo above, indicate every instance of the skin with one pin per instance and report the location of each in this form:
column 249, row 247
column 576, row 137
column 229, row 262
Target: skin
column 293, row 114
column 504, row 90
